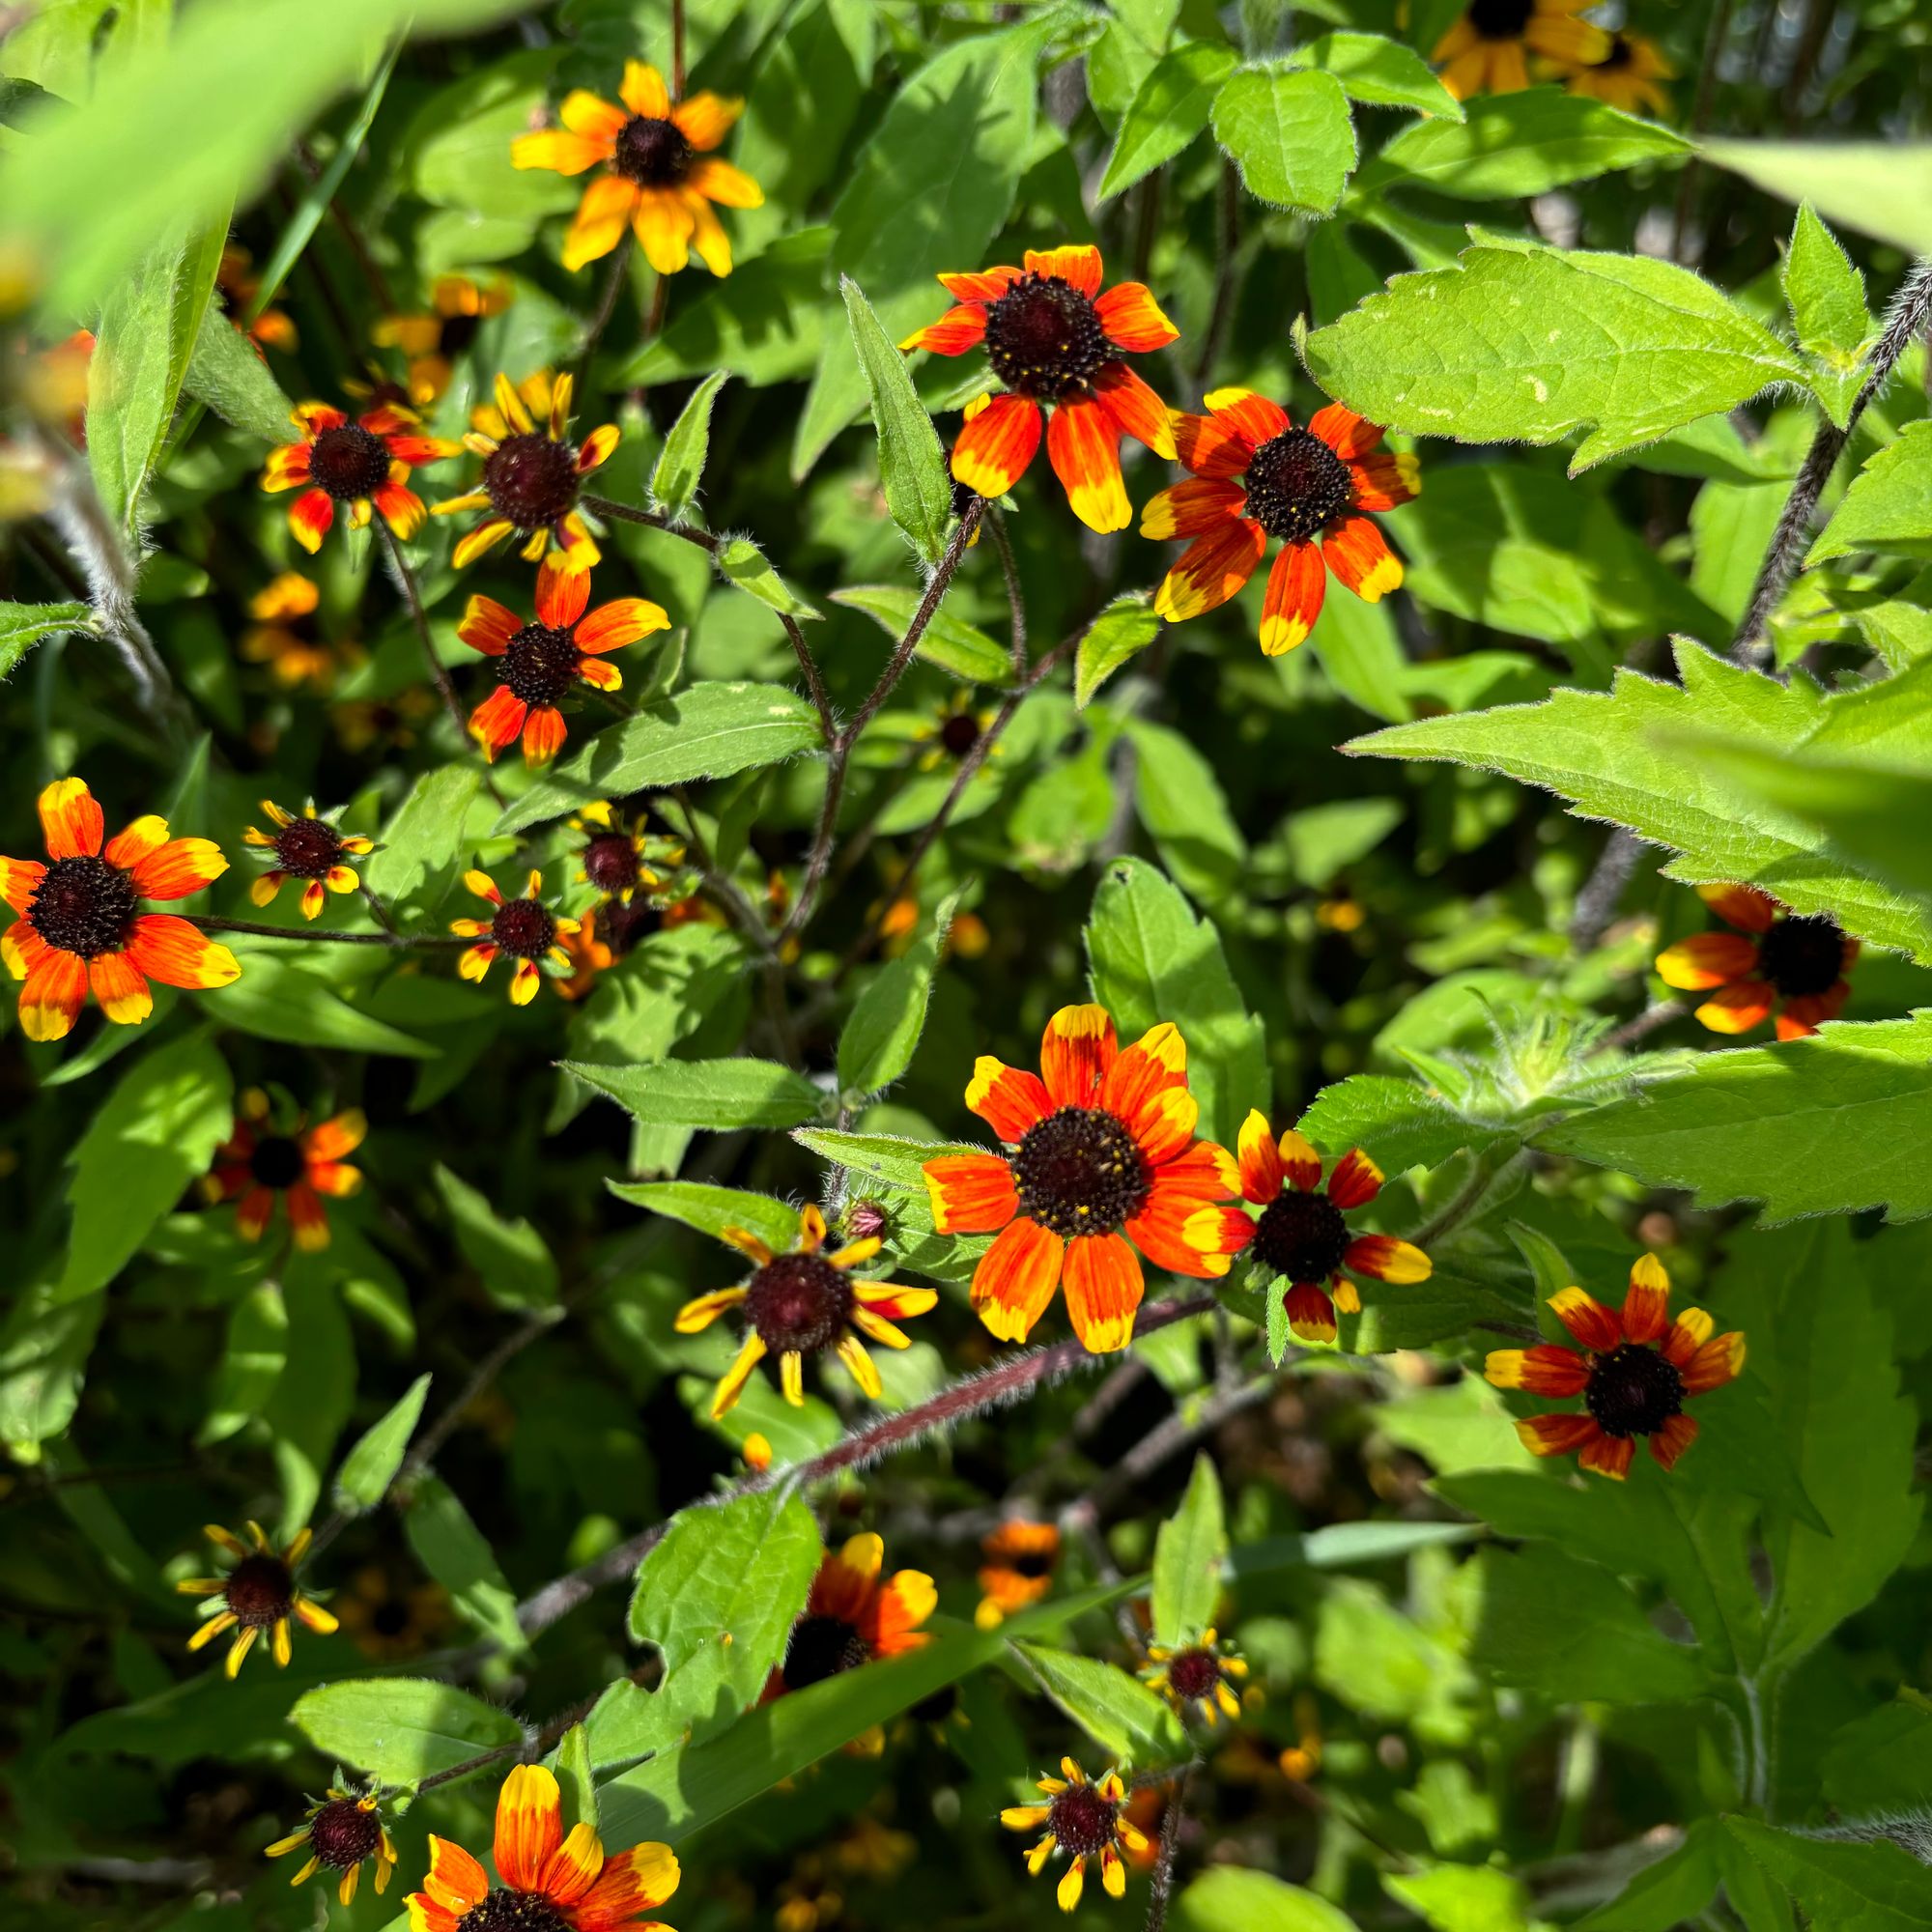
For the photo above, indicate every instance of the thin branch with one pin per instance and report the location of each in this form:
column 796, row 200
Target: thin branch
column 1603, row 889
column 1643, row 1025
column 398, row 941
column 1169, row 1846
column 1228, row 227
column 1015, row 597
column 607, row 304
column 378, row 911
column 1700, row 119
column 437, row 669
column 678, row 49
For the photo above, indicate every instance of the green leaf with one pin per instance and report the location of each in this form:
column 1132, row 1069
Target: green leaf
column 882, row 1157
column 712, row 1209
column 227, row 373
column 1883, row 189
column 1398, row 1124
column 1463, row 1898
column 154, row 1134
column 1847, row 1888
column 1381, row 72
column 45, row 1343
column 1673, row 1892
column 877, row 1042
column 1168, row 112
column 1189, row 1551
column 275, row 999
column 514, row 1260
column 1876, row 1759
column 370, row 1467
column 1225, row 1897
column 22, row 626
column 719, row 1596
column 741, row 562
column 949, row 641
column 573, row 1770
column 423, row 844
column 1126, row 627
column 401, row 1729
column 1885, row 508
column 680, row 464
column 1828, row 1125
column 454, row 1551
column 711, row 1093
column 1520, row 344
column 1827, row 298
column 1518, row 143
column 1604, row 752
column 1180, row 802
column 707, row 731
column 1151, row 960
column 912, row 467
column 1288, row 129
column 1132, row 1724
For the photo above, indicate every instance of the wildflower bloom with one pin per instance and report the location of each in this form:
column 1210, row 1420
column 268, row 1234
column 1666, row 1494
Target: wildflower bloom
column 80, row 922
column 1634, row 1371
column 612, row 857
column 952, row 733
column 362, row 465
column 256, row 1163
column 1301, row 1236
column 342, row 1832
column 531, row 476
column 1055, row 342
column 1015, row 1569
column 386, row 1619
column 307, row 848
column 525, row 929
column 551, row 1882
column 237, row 284
column 279, row 637
column 802, row 1303
column 458, row 308
column 1308, row 487
column 1196, row 1678
column 1775, row 961
column 1629, row 77
column 1085, row 1821
column 1487, row 49
column 1103, row 1155
column 664, row 177
column 257, row 1594
column 854, row 1616
column 539, row 661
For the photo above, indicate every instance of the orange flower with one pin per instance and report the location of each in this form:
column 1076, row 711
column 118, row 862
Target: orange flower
column 1775, row 961
column 1298, row 484
column 279, row 636
column 1104, row 1155
column 589, row 958
column 1633, row 1372
column 531, row 478
column 1302, row 1237
column 1017, row 1570
column 664, row 177
column 547, row 1877
column 458, row 308
column 542, row 660
column 1085, row 1821
column 256, row 1163
column 307, row 848
column 1055, row 342
column 272, row 328
column 525, row 929
column 854, row 1616
column 80, row 922
column 364, row 464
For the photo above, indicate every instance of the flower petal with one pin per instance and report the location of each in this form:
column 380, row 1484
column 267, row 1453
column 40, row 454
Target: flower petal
column 178, row 954
column 1671, row 1440
column 1211, row 571
column 1133, row 320
column 456, row 1882
column 608, row 203
column 487, row 626
column 1543, row 1370
column 1355, row 1182
column 1075, row 1053
column 1587, row 1319
column 643, row 92
column 1015, row 1278
column 70, row 819
column 1076, row 263
column 1191, row 509
column 1104, row 1285
column 1556, row 1435
column 1345, row 432
column 728, row 186
column 662, row 225
column 1211, row 447
column 1647, row 1304
column 1008, row 1100
column 1742, row 906
column 621, row 621
column 310, row 517
column 1252, row 416
column 1386, row 1258
column 1384, row 482
column 705, row 119
column 1707, row 959
column 177, row 868
column 1296, row 587
column 1259, row 1160
column 497, row 721
column 971, row 1193
column 1083, row 443
column 121, row 989
column 1136, row 411
column 1737, row 1009
column 530, row 1825
column 955, row 331
column 1310, row 1315
column 996, row 444
column 563, row 595
column 1608, row 1454
column 556, row 150
column 636, row 1880
column 1359, row 555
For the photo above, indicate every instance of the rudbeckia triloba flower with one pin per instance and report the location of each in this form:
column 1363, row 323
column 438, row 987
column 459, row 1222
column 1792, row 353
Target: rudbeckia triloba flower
column 256, row 1163
column 257, row 1594
column 458, row 308
column 853, row 1616
column 307, row 848
column 531, row 476
column 1016, row 1569
column 388, row 1619
column 1775, row 961
column 1633, row 1372
column 612, row 857
column 537, row 663
column 278, row 637
column 1055, row 342
column 1197, row 1678
column 1301, row 1236
column 237, row 282
column 802, row 1303
column 81, row 921
column 551, row 1882
column 525, row 929
column 664, row 177
column 341, row 1833
column 1103, row 1154
column 1629, row 77
column 1085, row 1821
column 1308, row 487
column 363, row 464
column 1487, row 49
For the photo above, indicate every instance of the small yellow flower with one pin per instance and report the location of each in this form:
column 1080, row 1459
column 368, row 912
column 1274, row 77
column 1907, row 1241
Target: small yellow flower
column 342, row 1832
column 1085, row 1821
column 1198, row 1679
column 257, row 1593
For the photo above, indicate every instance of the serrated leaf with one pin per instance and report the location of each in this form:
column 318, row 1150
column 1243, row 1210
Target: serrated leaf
column 1674, row 1890
column 573, row 1769
column 1398, row 1124
column 22, row 626
column 882, row 1157
column 227, row 373
column 1288, row 129
column 401, row 1729
column 370, row 1467
column 1381, row 72
column 1130, row 1724
column 879, row 1039
column 1168, row 112
column 1827, row 299
column 913, row 469
column 1531, row 345
column 711, row 1093
column 949, row 641
column 422, row 845
column 680, row 464
column 1189, row 1549
column 1463, row 1898
column 1126, row 627
column 1847, row 1888
column 1885, row 508
column 712, row 1209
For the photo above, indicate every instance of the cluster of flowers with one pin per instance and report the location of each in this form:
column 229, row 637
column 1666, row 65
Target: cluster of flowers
column 1498, row 47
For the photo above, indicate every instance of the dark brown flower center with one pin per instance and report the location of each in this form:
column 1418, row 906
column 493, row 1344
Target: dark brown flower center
column 624, row 926
column 530, row 480
column 349, row 461
column 1031, row 1564
column 610, row 862
column 1302, row 1236
column 960, row 733
column 1083, row 1821
column 798, row 1303
column 1080, row 1172
column 390, row 1617
column 83, row 905
column 524, row 928
column 1500, row 20
column 540, row 664
column 277, row 1161
column 306, row 848
column 506, row 1911
column 1632, row 1390
column 344, row 1832
column 1801, row 956
column 260, row 1591
column 457, row 333
column 1620, row 55
column 822, row 1647
column 653, row 154
column 1194, row 1673
column 1295, row 484
column 1043, row 337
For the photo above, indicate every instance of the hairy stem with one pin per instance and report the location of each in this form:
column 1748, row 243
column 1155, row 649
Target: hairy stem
column 390, row 937
column 1170, row 1845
